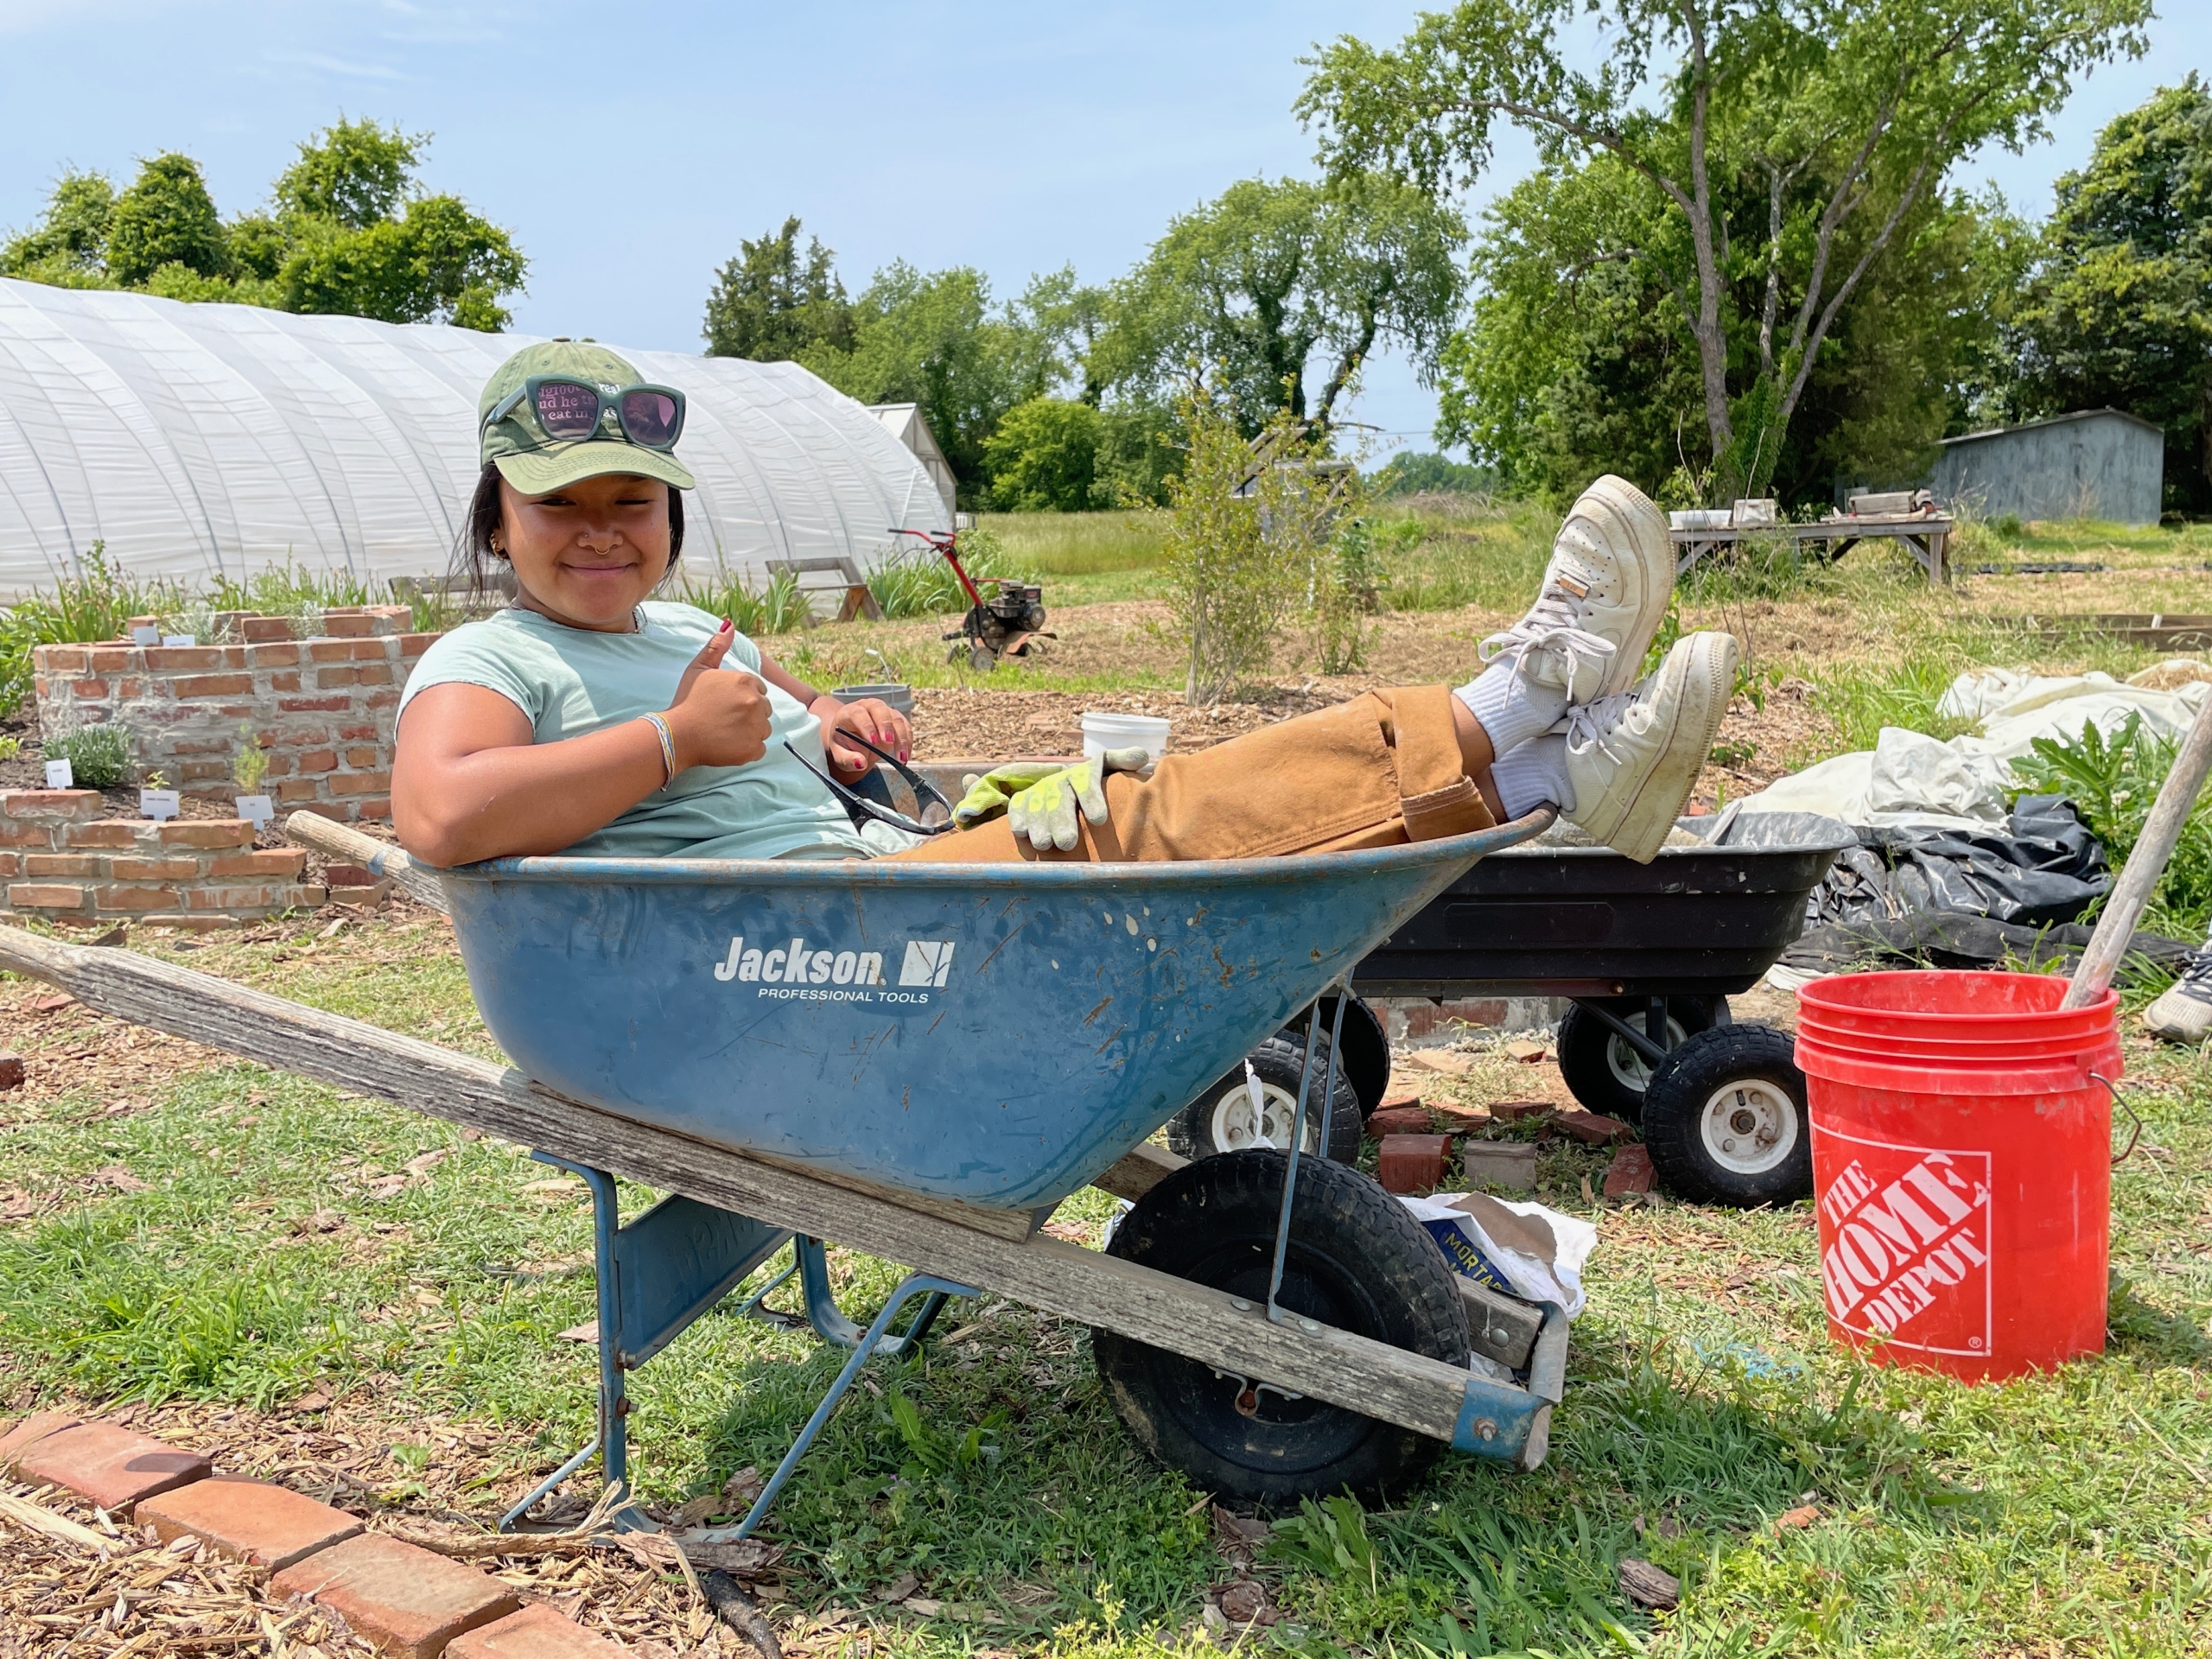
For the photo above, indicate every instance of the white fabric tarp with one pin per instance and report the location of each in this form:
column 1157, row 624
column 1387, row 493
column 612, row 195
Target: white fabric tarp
column 1909, row 777
column 194, row 439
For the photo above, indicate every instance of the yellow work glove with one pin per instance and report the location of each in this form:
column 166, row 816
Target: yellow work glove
column 1044, row 812
column 989, row 793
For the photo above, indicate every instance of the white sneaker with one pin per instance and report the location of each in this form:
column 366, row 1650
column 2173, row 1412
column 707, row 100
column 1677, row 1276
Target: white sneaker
column 2182, row 1013
column 1632, row 759
column 1604, row 595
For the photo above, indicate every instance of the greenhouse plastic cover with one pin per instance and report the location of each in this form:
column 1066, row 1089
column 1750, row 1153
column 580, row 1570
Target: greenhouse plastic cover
column 194, row 439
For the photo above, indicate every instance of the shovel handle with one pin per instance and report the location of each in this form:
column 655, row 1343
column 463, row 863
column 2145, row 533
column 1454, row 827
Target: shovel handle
column 2139, row 876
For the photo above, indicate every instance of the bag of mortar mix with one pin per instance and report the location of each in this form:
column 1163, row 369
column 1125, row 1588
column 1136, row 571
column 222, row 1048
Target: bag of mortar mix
column 1523, row 1249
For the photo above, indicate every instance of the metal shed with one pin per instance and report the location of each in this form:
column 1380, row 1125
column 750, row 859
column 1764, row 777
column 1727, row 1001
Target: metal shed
column 198, row 438
column 906, row 422
column 2095, row 463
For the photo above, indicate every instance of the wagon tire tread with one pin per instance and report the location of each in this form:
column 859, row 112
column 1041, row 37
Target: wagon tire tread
column 1687, row 1079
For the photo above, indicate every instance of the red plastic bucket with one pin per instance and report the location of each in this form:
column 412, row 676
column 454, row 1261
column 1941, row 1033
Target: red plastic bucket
column 1961, row 1166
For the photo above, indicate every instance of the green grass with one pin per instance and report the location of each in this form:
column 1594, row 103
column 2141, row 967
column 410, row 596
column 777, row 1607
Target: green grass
column 2057, row 1514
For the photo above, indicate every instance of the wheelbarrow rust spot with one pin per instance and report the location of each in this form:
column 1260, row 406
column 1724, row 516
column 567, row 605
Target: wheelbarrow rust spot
column 1096, row 1012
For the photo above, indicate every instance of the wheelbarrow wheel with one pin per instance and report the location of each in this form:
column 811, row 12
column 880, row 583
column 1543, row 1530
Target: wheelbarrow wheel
column 1725, row 1119
column 1599, row 1066
column 1222, row 1118
column 1357, row 1259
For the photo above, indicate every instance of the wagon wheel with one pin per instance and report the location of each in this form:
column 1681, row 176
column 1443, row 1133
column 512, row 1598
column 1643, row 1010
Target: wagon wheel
column 1725, row 1120
column 1356, row 1261
column 1222, row 1118
column 1598, row 1065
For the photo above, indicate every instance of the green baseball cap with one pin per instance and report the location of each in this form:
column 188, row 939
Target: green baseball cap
column 534, row 463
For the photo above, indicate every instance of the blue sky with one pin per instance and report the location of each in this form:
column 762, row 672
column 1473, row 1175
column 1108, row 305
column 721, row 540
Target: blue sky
column 630, row 146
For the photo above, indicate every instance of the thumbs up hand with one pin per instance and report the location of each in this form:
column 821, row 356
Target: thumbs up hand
column 718, row 719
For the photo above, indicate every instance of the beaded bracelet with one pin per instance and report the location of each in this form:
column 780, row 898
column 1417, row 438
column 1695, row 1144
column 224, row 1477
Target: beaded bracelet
column 667, row 748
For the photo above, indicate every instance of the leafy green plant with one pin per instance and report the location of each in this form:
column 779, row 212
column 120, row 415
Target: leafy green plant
column 2113, row 782
column 95, row 604
column 1328, row 1538
column 780, row 608
column 11, row 747
column 938, row 1453
column 289, row 589
column 252, row 765
column 98, row 756
column 919, row 582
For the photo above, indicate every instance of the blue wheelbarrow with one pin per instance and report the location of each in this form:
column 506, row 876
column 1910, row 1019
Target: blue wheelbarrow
column 922, row 1061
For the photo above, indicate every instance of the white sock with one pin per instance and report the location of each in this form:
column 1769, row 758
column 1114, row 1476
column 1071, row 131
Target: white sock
column 1533, row 775
column 1513, row 707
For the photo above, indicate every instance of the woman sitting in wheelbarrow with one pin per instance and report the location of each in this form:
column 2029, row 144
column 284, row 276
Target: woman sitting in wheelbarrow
column 592, row 719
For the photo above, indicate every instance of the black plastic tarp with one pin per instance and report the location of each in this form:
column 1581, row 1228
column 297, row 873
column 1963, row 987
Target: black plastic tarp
column 2044, row 868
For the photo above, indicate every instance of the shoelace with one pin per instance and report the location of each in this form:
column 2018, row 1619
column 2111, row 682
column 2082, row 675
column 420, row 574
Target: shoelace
column 1549, row 625
column 1589, row 724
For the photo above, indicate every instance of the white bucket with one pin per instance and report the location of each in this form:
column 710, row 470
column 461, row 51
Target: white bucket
column 1104, row 732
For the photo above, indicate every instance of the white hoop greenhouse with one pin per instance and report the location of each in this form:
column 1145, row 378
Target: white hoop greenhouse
column 194, row 440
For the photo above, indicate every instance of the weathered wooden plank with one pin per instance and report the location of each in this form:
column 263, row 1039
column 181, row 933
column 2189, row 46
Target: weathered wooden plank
column 1353, row 1371
column 1139, row 1171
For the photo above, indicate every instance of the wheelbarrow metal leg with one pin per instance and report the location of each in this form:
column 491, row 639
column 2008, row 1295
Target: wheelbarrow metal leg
column 1652, row 1053
column 1297, row 1141
column 936, row 1291
column 829, row 1320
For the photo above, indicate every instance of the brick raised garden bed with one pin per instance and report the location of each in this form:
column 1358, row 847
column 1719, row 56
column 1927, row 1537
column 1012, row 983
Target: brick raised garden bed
column 323, row 708
column 60, row 860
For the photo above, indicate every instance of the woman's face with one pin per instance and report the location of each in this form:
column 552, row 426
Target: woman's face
column 585, row 555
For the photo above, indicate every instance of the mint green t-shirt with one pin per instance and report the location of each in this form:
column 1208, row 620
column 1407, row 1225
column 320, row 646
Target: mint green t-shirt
column 571, row 681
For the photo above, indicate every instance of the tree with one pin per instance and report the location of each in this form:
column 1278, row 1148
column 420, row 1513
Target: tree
column 1849, row 113
column 165, row 218
column 69, row 244
column 774, row 304
column 346, row 231
column 1250, row 287
column 933, row 339
column 1044, row 457
column 2119, row 311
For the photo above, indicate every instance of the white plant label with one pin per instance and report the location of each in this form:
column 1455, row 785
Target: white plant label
column 159, row 804
column 178, row 639
column 259, row 808
column 60, row 775
column 142, row 635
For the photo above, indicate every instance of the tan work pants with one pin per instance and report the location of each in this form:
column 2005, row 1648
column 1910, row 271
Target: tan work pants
column 1382, row 769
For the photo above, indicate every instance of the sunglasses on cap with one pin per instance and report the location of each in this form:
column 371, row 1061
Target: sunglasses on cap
column 570, row 410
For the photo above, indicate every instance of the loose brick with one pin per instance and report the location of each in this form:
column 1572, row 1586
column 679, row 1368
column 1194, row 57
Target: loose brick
column 1631, row 1172
column 33, row 1428
column 537, row 1632
column 1412, row 1163
column 400, row 1597
column 61, row 864
column 315, row 705
column 111, row 832
column 284, row 861
column 1498, row 1163
column 272, row 656
column 361, row 782
column 153, row 869
column 317, row 760
column 1397, row 1120
column 130, row 899
column 32, row 895
column 348, row 876
column 214, row 685
column 208, row 832
column 1591, row 1129
column 107, row 1465
column 247, row 1521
